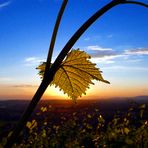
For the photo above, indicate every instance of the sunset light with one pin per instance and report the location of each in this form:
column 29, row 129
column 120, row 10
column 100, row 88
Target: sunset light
column 118, row 45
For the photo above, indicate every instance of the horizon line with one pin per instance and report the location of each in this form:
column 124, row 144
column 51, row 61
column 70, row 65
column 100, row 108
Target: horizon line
column 68, row 99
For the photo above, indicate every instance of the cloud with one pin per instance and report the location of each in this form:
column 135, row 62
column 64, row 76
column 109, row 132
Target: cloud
column 4, row 79
column 106, row 58
column 109, row 36
column 108, row 55
column 31, row 61
column 24, row 85
column 5, row 4
column 140, row 51
column 102, row 60
column 103, row 55
column 119, row 67
column 134, row 60
column 86, row 39
column 98, row 48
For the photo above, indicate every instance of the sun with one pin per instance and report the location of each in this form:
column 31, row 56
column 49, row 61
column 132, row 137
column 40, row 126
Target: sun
column 55, row 92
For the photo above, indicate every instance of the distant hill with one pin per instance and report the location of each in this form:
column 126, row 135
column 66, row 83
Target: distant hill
column 141, row 98
column 12, row 109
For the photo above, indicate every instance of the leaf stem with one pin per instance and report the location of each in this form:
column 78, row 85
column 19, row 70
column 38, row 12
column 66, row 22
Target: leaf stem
column 85, row 26
column 44, row 84
column 22, row 122
column 135, row 2
column 79, row 32
column 51, row 47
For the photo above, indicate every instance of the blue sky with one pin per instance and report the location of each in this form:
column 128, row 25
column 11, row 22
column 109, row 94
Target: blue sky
column 117, row 42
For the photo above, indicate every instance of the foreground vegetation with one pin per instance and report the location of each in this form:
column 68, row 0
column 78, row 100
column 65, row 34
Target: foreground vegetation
column 83, row 129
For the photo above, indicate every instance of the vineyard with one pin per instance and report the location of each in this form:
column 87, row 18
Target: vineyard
column 77, row 126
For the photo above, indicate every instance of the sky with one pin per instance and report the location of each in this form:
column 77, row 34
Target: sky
column 117, row 43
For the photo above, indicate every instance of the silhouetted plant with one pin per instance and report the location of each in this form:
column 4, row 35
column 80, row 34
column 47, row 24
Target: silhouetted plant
column 76, row 130
column 50, row 70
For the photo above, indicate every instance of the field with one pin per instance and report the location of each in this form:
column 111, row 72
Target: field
column 95, row 123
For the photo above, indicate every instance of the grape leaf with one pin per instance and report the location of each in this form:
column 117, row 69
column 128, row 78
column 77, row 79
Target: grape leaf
column 75, row 74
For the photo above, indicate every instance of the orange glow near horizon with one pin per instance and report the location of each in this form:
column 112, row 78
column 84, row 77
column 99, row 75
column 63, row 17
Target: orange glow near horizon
column 97, row 91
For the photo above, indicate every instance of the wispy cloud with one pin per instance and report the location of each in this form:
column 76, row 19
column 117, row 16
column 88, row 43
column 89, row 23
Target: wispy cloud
column 108, row 55
column 4, row 79
column 98, row 48
column 86, row 39
column 131, row 68
column 102, row 55
column 32, row 61
column 102, row 60
column 24, row 85
column 92, row 38
column 140, row 51
column 5, row 4
column 105, row 54
column 106, row 58
column 110, row 36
